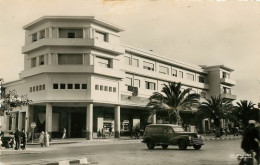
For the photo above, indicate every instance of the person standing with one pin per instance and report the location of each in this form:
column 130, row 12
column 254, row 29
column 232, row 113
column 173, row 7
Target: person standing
column 41, row 138
column 46, row 139
column 17, row 137
column 64, row 133
column 24, row 140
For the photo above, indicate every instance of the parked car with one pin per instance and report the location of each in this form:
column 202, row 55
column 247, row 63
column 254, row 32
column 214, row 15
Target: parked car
column 168, row 134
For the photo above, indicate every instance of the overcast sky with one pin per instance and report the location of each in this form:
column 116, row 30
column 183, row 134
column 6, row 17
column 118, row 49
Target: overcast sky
column 196, row 32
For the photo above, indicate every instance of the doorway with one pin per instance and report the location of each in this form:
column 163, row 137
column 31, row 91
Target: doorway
column 78, row 124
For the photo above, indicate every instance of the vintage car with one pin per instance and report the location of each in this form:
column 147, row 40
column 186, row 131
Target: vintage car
column 168, row 134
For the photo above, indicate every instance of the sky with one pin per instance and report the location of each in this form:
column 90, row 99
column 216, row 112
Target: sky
column 196, row 32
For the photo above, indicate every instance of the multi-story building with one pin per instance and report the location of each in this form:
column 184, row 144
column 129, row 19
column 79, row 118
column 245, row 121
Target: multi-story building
column 82, row 78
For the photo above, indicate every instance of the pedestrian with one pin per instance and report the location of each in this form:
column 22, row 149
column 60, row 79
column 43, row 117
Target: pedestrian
column 110, row 131
column 24, row 140
column 99, row 133
column 64, row 133
column 251, row 138
column 17, row 137
column 41, row 138
column 46, row 139
column 103, row 133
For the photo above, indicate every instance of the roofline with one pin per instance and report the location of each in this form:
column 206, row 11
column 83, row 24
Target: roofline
column 150, row 54
column 92, row 18
column 219, row 66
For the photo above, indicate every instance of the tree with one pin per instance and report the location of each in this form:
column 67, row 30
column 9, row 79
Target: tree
column 244, row 111
column 216, row 108
column 11, row 100
column 172, row 100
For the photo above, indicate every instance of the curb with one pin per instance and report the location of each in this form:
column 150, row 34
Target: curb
column 225, row 138
column 80, row 161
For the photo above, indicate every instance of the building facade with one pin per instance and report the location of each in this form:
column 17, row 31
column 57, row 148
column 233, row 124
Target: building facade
column 81, row 77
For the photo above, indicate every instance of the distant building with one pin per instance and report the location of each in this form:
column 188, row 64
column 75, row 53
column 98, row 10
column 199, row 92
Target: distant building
column 82, row 78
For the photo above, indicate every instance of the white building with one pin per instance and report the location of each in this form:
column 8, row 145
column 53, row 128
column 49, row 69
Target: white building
column 81, row 77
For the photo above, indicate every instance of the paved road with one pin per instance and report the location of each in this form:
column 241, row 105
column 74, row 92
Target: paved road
column 221, row 152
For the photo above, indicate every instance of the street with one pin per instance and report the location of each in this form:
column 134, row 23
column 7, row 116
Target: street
column 134, row 152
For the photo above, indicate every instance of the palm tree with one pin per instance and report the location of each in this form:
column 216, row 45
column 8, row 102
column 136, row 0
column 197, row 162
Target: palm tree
column 216, row 108
column 172, row 99
column 243, row 111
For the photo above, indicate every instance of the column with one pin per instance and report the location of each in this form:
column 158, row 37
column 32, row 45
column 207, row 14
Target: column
column 48, row 122
column 89, row 122
column 29, row 118
column 20, row 117
column 153, row 119
column 69, row 124
column 14, row 115
column 117, row 121
column 7, row 120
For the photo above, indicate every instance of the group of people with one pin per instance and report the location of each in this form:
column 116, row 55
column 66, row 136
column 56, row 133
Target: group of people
column 20, row 138
column 44, row 139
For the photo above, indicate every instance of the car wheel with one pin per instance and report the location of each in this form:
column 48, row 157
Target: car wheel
column 164, row 146
column 196, row 147
column 182, row 145
column 150, row 145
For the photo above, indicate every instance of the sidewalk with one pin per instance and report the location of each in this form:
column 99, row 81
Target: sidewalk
column 35, row 147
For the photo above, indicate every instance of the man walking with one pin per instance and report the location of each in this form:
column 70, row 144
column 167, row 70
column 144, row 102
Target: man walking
column 17, row 138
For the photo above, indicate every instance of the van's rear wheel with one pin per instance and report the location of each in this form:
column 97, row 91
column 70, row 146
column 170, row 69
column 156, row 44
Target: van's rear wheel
column 164, row 146
column 150, row 145
column 182, row 145
column 196, row 147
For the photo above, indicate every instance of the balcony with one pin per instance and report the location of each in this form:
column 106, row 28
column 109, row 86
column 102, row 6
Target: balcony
column 72, row 69
column 81, row 42
column 227, row 81
column 229, row 96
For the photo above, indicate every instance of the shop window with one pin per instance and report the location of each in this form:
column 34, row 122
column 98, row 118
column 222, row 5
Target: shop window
column 77, row 86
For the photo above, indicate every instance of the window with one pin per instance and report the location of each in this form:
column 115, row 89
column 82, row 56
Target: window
column 42, row 34
column 70, row 86
column 41, row 60
column 30, row 89
column 226, row 90
column 180, row 74
column 33, row 89
column 190, row 76
column 70, row 33
column 101, row 87
column 97, row 87
column 127, row 60
column 201, row 79
column 137, row 83
column 43, row 87
column 174, row 72
column 70, row 59
column 34, row 37
column 163, row 70
column 128, row 81
column 114, row 89
column 101, row 36
column 33, row 62
column 225, row 75
column 148, row 66
column 40, row 87
column 110, row 89
column 135, row 62
column 55, row 86
column 77, row 86
column 103, row 62
column 149, row 85
column 62, row 86
column 83, row 86
column 106, row 88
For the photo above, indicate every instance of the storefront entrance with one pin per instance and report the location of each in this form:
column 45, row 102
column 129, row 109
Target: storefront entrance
column 78, row 124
